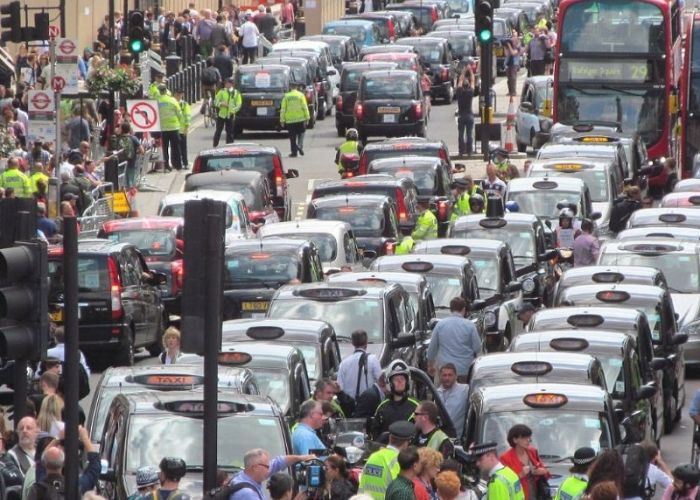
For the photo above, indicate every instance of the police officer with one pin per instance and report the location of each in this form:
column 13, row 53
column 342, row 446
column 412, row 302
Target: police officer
column 382, row 466
column 460, row 206
column 227, row 102
column 574, row 486
column 397, row 406
column 294, row 115
column 351, row 146
column 14, row 178
column 503, row 483
column 186, row 110
column 170, row 124
column 405, row 247
column 504, row 170
column 427, row 223
column 153, row 92
column 429, row 434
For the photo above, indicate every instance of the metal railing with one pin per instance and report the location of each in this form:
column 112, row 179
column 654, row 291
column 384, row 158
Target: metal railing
column 98, row 212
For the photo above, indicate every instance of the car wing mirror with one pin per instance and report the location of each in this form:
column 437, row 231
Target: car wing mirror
column 679, row 338
column 595, row 215
column 548, row 255
column 406, row 340
column 645, row 392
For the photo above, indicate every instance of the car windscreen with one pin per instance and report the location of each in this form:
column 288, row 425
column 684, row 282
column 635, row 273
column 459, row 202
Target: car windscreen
column 350, row 79
column 424, row 177
column 152, row 437
column 544, row 203
column 92, row 274
column 357, row 33
column 521, row 241
column 250, row 270
column 444, row 288
column 487, row 275
column 551, row 430
column 388, row 87
column 325, row 243
column 375, row 154
column 345, row 316
column 273, row 384
column 151, row 242
column 253, row 199
column 429, row 53
column 681, row 270
column 366, row 221
column 595, row 180
column 262, row 162
column 264, row 80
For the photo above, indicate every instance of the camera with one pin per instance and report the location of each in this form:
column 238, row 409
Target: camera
column 310, row 475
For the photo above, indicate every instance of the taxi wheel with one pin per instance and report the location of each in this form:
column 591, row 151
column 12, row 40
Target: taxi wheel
column 125, row 357
column 312, row 121
column 450, row 95
column 321, row 115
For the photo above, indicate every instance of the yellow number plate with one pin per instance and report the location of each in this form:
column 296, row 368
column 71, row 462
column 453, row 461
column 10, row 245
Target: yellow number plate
column 254, row 306
column 500, row 52
column 57, row 316
column 388, row 109
column 266, row 102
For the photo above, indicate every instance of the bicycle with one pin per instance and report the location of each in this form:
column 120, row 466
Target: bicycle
column 208, row 110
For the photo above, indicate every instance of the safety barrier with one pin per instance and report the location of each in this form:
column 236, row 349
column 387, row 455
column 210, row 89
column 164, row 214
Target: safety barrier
column 98, row 212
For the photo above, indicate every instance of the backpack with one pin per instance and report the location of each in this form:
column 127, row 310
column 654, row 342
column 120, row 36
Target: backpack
column 83, row 381
column 636, row 467
column 49, row 491
column 225, row 492
column 209, row 76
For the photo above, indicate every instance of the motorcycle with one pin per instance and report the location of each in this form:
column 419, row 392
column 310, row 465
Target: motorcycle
column 351, row 165
column 563, row 261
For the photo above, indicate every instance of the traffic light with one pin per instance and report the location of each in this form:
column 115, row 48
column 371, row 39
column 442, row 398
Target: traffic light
column 24, row 329
column 484, row 21
column 41, row 26
column 10, row 18
column 136, row 32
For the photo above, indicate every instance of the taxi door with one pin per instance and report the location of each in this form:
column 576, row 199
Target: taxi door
column 511, row 296
column 639, row 409
column 402, row 326
column 112, row 452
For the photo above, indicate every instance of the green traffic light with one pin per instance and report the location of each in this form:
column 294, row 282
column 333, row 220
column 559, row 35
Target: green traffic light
column 485, row 35
column 136, row 46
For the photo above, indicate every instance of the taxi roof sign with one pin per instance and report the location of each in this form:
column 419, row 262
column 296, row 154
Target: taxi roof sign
column 265, row 332
column 197, row 407
column 608, row 277
column 417, row 267
column 569, row 167
column 233, row 358
column 492, row 223
column 612, row 296
column 329, row 293
column 531, row 368
column 583, row 127
column 455, row 250
column 585, row 320
column 568, row 344
column 166, row 381
column 599, row 139
column 672, row 218
column 380, row 281
column 650, row 248
column 545, row 185
column 545, row 400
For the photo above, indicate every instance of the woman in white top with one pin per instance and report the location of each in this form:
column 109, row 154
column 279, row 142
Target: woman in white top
column 171, row 346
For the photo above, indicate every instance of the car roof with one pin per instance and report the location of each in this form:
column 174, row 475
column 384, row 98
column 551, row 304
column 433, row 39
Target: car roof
column 651, row 246
column 153, row 402
column 601, row 340
column 681, row 199
column 500, row 360
column 676, row 232
column 257, row 67
column 407, row 160
column 539, row 79
column 361, row 180
column 376, row 57
column 351, row 199
column 410, row 281
column 405, row 143
column 687, row 185
column 265, row 355
column 224, row 176
column 399, row 73
column 510, row 397
column 569, row 149
column 238, row 148
column 587, row 293
column 617, row 274
column 511, row 218
column 438, row 260
column 557, row 314
column 100, row 246
column 299, row 44
column 422, row 40
column 305, row 226
column 128, row 375
column 666, row 215
column 142, row 223
column 567, row 164
column 327, row 36
column 271, row 245
column 201, row 194
column 562, row 183
column 358, row 21
column 368, row 65
column 298, row 330
column 476, row 246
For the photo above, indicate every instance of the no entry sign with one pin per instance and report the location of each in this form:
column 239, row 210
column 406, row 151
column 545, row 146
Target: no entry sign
column 54, row 31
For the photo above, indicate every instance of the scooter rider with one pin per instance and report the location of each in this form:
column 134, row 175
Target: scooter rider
column 566, row 233
column 477, row 204
column 398, row 405
column 351, row 146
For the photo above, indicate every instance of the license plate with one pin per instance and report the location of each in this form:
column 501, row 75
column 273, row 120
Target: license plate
column 388, row 109
column 57, row 316
column 262, row 111
column 389, row 118
column 254, row 306
column 500, row 51
column 265, row 102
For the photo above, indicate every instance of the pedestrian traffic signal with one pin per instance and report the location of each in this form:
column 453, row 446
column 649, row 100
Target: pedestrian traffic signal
column 10, row 18
column 136, row 33
column 484, row 21
column 24, row 329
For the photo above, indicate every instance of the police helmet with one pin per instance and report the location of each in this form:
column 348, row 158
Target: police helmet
column 162, row 88
column 500, row 152
column 512, row 206
column 566, row 213
column 688, row 473
column 173, row 468
column 397, row 367
column 351, row 134
column 474, row 200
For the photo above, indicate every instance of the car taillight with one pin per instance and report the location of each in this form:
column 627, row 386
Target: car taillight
column 309, row 96
column 197, row 166
column 115, row 288
column 392, row 31
column 401, row 202
column 177, row 275
column 339, row 103
column 434, row 14
column 389, row 248
column 444, row 74
column 279, row 174
column 418, row 110
column 359, row 111
column 442, row 209
column 363, row 165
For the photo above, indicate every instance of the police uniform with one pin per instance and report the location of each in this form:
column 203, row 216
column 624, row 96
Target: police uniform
column 294, row 114
column 227, row 102
column 16, row 179
column 426, row 226
column 405, row 247
column 437, row 440
column 348, row 148
column 503, row 483
column 382, row 466
column 461, row 206
column 575, row 485
column 186, row 111
column 170, row 124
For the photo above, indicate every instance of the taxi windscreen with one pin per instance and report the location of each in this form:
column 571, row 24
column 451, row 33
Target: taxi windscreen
column 345, row 316
column 152, row 437
column 544, row 203
column 424, row 177
column 326, row 244
column 273, row 384
column 265, row 80
column 521, row 241
column 248, row 160
column 92, row 274
column 444, row 288
column 151, row 242
column 594, row 179
column 357, row 33
column 551, row 430
column 487, row 276
column 365, row 221
column 253, row 200
column 682, row 272
column 388, row 87
column 245, row 270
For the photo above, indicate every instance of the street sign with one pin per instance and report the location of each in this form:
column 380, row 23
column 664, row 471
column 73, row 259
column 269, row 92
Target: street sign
column 66, row 48
column 58, row 83
column 67, row 64
column 143, row 115
column 54, row 31
column 40, row 101
column 42, row 116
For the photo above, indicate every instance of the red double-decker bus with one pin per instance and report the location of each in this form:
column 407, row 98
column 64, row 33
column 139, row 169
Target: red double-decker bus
column 618, row 62
column 689, row 145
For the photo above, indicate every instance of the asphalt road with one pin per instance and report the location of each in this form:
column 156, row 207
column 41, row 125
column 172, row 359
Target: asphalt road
column 318, row 165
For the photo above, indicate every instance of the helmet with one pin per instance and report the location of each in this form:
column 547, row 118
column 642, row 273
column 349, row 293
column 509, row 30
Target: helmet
column 146, row 476
column 566, row 213
column 476, row 199
column 173, row 468
column 688, row 473
column 512, row 206
column 397, row 367
column 351, row 134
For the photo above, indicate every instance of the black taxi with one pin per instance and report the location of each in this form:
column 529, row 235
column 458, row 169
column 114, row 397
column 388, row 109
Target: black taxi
column 660, row 231
column 404, row 146
column 144, row 427
column 656, row 303
column 253, row 270
column 496, row 276
column 373, row 219
column 383, row 310
column 629, row 375
column 682, row 217
column 262, row 87
column 315, row 339
column 432, row 177
column 436, row 58
column 261, row 158
column 527, row 236
column 551, row 410
column 181, row 376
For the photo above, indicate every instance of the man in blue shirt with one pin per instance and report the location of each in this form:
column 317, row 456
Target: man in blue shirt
column 257, row 468
column 454, row 340
column 304, row 437
column 694, row 410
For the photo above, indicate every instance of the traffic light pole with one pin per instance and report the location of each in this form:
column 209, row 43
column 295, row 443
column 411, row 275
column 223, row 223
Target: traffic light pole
column 72, row 356
column 486, row 63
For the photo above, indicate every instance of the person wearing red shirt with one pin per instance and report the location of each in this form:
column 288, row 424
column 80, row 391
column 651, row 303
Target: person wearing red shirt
column 524, row 460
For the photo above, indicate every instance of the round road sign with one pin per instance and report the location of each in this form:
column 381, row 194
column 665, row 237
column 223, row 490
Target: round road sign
column 41, row 101
column 54, row 31
column 57, row 83
column 66, row 46
column 143, row 115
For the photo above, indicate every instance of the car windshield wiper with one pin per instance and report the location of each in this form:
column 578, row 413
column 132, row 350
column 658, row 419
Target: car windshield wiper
column 621, row 91
column 674, row 290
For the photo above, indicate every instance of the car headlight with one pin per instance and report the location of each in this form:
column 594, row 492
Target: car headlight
column 529, row 285
column 490, row 319
column 692, row 328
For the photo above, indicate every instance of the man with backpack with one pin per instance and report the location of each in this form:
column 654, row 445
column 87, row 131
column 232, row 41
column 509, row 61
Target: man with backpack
column 644, row 469
column 172, row 470
column 358, row 372
column 52, row 486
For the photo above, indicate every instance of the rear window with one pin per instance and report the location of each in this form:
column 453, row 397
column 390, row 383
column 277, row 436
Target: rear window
column 430, row 53
column 389, row 191
column 375, row 154
column 326, row 244
column 356, row 32
column 252, row 199
column 151, row 243
column 92, row 274
column 389, row 87
column 259, row 162
column 365, row 221
column 262, row 268
column 350, row 79
column 424, row 178
column 265, row 80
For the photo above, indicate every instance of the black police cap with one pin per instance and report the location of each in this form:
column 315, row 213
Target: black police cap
column 483, row 448
column 402, row 429
column 584, row 456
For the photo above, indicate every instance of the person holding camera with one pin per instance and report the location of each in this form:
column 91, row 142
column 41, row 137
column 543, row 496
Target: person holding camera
column 514, row 58
column 338, row 485
column 258, row 467
column 465, row 116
